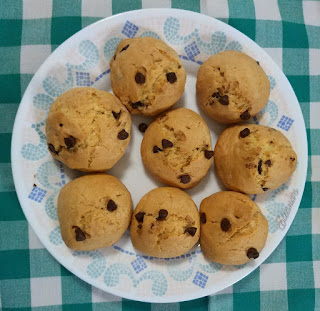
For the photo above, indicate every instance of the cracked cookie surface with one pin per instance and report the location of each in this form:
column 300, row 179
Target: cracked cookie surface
column 232, row 87
column 146, row 75
column 165, row 223
column 88, row 129
column 233, row 229
column 253, row 158
column 176, row 148
column 94, row 211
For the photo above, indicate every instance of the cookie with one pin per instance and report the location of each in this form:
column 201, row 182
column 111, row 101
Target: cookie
column 233, row 229
column 232, row 87
column 176, row 148
column 165, row 223
column 253, row 158
column 94, row 211
column 88, row 129
column 147, row 75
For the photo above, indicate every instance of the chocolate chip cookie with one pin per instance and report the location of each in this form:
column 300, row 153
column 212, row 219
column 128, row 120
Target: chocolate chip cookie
column 253, row 158
column 88, row 129
column 165, row 223
column 94, row 211
column 232, row 87
column 233, row 229
column 176, row 148
column 147, row 75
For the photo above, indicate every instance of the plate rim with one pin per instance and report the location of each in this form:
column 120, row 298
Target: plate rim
column 14, row 156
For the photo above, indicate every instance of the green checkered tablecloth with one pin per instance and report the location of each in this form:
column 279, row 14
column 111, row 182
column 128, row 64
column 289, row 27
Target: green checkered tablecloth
column 289, row 30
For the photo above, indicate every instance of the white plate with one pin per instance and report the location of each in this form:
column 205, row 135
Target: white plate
column 83, row 60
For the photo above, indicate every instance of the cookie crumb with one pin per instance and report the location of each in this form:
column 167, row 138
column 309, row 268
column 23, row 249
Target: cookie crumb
column 142, row 127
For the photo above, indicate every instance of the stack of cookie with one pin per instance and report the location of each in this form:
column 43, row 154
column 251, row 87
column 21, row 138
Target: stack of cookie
column 89, row 130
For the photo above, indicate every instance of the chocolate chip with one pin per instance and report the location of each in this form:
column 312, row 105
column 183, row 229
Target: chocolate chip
column 260, row 167
column 143, row 127
column 166, row 143
column 116, row 115
column 191, row 230
column 70, row 142
column 265, row 189
column 252, row 253
column 111, row 206
column 124, row 48
column 245, row 115
column 292, row 159
column 61, row 125
column 156, row 149
column 244, row 133
column 140, row 226
column 185, row 179
column 140, row 78
column 208, row 154
column 203, row 218
column 216, row 95
column 122, row 135
column 268, row 163
column 139, row 216
column 114, row 57
column 163, row 213
column 224, row 100
column 225, row 224
column 136, row 105
column 51, row 148
column 171, row 77
column 258, row 63
column 80, row 235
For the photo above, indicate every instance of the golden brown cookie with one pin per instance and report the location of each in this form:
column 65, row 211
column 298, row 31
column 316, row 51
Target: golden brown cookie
column 253, row 158
column 165, row 223
column 147, row 75
column 232, row 87
column 233, row 229
column 88, row 129
column 94, row 211
column 176, row 148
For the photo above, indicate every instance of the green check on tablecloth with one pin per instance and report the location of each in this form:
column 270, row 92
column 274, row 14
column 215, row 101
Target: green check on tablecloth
column 289, row 31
